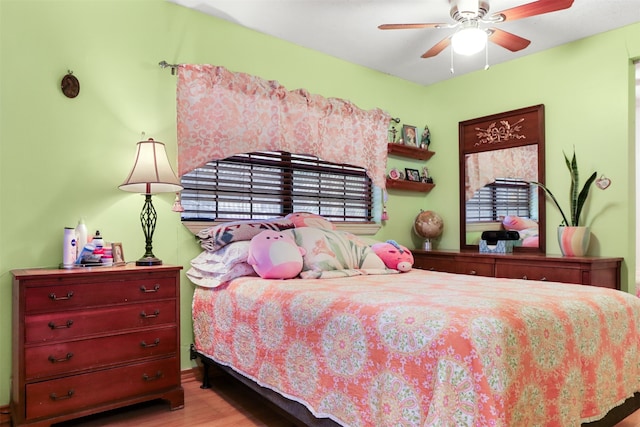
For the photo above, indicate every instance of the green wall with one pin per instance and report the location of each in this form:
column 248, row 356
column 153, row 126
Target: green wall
column 64, row 158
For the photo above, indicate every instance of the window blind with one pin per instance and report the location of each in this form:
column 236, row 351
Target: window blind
column 501, row 198
column 262, row 185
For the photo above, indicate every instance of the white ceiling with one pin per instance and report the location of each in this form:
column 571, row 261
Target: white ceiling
column 347, row 29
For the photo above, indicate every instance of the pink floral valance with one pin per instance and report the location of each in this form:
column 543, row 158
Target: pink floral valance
column 221, row 114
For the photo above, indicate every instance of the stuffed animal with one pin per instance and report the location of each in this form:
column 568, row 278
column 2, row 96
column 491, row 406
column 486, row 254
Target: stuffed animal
column 274, row 255
column 393, row 255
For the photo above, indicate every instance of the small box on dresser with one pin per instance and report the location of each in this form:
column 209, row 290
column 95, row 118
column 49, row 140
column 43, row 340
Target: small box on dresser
column 89, row 340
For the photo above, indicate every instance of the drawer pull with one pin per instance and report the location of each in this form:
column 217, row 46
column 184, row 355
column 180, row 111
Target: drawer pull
column 68, row 357
column 150, row 316
column 53, row 296
column 157, row 376
column 144, row 289
column 154, row 344
column 55, row 397
column 63, row 326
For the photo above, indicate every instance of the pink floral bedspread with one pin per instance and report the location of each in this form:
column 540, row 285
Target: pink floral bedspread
column 428, row 349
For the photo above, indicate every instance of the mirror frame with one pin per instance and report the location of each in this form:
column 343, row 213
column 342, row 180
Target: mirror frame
column 526, row 128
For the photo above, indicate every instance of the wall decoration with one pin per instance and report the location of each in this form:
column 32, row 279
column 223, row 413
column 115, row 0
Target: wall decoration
column 409, row 135
column 70, row 85
column 425, row 139
column 413, row 174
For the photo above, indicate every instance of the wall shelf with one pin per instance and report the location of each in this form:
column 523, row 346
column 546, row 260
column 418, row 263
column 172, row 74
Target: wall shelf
column 403, row 184
column 409, row 151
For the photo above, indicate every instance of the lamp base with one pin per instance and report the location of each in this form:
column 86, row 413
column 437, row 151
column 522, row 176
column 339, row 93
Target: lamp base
column 149, row 261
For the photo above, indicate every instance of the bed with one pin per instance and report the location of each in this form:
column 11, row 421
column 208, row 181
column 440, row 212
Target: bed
column 422, row 348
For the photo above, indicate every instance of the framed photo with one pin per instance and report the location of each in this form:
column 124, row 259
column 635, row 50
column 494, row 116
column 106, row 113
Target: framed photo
column 409, row 136
column 118, row 253
column 413, row 174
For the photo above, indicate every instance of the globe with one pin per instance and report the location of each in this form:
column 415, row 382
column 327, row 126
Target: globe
column 428, row 225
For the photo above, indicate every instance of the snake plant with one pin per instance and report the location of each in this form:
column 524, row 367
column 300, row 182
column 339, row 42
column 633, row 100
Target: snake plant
column 576, row 199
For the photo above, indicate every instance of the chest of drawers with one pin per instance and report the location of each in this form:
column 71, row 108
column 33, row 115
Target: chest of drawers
column 90, row 340
column 596, row 271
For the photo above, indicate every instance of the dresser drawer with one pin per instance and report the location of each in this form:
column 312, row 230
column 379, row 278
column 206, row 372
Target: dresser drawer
column 79, row 323
column 74, row 356
column 435, row 264
column 534, row 272
column 475, row 269
column 65, row 296
column 49, row 398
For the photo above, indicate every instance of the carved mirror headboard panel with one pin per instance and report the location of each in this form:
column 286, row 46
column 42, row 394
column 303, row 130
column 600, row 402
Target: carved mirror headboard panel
column 499, row 155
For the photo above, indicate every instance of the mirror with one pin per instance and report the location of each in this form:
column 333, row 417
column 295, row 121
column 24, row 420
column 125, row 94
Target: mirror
column 499, row 155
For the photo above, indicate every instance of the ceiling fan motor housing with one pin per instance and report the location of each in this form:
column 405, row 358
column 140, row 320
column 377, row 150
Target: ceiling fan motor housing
column 463, row 10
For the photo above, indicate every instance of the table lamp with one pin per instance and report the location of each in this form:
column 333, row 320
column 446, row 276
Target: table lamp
column 151, row 173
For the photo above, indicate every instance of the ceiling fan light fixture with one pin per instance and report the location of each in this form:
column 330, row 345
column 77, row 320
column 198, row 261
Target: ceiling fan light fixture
column 469, row 41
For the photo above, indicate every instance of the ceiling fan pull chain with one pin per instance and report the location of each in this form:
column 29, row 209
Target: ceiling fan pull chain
column 452, row 71
column 486, row 56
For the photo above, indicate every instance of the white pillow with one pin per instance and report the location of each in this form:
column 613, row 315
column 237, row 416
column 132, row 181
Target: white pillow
column 212, row 280
column 229, row 255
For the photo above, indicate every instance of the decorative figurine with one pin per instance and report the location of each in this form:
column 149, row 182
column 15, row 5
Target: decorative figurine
column 425, row 140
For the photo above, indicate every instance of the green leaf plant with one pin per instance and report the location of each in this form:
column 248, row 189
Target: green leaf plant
column 576, row 199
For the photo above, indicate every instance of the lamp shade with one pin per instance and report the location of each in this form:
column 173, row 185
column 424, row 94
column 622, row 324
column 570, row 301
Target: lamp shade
column 151, row 172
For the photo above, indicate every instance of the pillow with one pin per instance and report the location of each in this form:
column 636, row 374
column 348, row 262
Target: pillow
column 333, row 250
column 516, row 223
column 211, row 280
column 307, row 219
column 214, row 238
column 225, row 257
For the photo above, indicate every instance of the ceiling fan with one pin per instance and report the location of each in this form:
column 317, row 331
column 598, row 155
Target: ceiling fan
column 470, row 37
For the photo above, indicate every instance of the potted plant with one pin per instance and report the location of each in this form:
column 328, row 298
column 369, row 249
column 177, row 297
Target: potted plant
column 573, row 238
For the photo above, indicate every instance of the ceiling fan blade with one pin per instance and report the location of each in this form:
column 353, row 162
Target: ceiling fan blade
column 534, row 8
column 507, row 40
column 437, row 48
column 410, row 26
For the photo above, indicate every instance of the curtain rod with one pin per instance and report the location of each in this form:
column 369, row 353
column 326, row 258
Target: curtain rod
column 165, row 64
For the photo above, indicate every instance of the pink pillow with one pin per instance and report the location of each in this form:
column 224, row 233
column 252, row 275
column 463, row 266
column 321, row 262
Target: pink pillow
column 307, row 219
column 511, row 222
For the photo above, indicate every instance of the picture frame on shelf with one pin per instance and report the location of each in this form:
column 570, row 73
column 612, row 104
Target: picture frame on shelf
column 409, row 136
column 413, row 174
column 118, row 253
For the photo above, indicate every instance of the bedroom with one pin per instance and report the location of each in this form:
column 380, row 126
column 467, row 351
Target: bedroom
column 83, row 147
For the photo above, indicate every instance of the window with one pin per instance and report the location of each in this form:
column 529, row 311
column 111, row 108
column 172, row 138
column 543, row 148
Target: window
column 501, row 198
column 266, row 184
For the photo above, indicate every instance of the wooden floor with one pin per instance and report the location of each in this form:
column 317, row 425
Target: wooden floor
column 226, row 404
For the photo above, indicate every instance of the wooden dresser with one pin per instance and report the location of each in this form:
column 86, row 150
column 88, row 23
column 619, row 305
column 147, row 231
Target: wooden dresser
column 93, row 339
column 596, row 271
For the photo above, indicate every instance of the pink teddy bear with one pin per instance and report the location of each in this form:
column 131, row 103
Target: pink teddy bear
column 393, row 255
column 274, row 255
